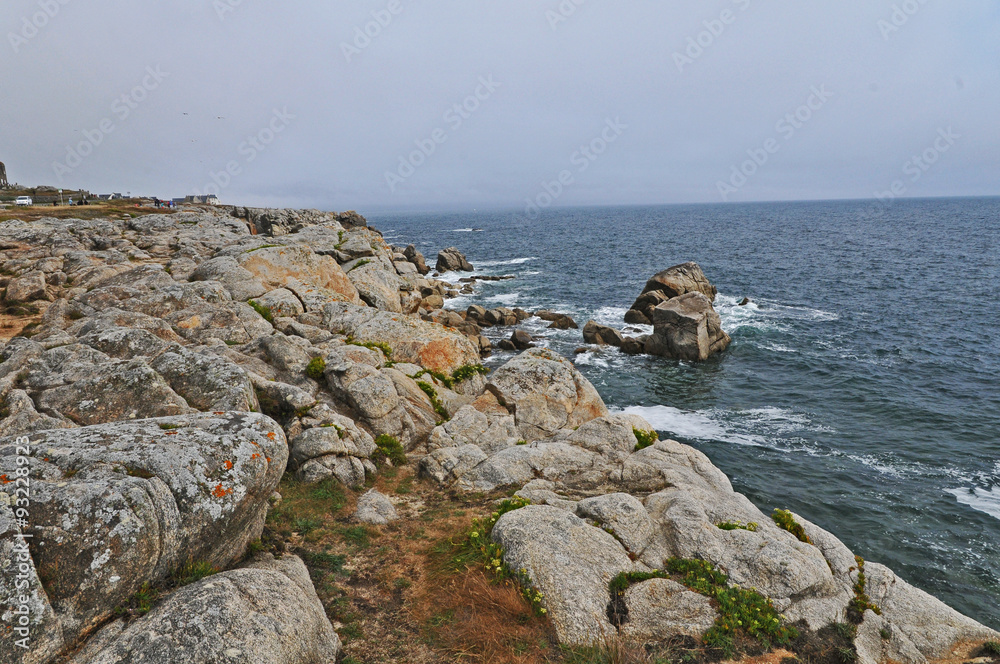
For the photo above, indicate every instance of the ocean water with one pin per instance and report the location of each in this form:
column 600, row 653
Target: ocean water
column 862, row 388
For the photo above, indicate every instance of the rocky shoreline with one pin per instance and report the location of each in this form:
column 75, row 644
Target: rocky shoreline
column 179, row 369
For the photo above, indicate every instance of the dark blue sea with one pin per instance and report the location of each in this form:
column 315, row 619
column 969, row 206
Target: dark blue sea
column 862, row 388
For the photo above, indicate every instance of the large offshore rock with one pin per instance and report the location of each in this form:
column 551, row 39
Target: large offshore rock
column 117, row 505
column 412, row 340
column 687, row 328
column 546, row 393
column 681, row 279
column 264, row 613
column 452, row 260
column 570, row 562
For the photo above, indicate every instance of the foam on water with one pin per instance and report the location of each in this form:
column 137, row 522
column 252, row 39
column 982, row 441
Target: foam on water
column 984, row 500
column 513, row 261
column 505, row 299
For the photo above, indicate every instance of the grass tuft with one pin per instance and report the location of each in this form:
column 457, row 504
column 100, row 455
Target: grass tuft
column 645, row 438
column 315, row 368
column 785, row 521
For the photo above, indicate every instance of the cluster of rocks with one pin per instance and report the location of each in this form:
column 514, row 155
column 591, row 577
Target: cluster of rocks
column 179, row 365
column 677, row 302
column 182, row 363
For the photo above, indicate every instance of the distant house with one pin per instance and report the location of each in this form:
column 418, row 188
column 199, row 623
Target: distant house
column 211, row 199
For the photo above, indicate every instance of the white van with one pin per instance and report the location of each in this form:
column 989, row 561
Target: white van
column 23, row 200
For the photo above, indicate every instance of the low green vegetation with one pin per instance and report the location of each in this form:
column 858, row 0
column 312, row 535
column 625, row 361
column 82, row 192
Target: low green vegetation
column 169, row 427
column 645, row 438
column 374, row 345
column 736, row 525
column 785, row 521
column 265, row 312
column 435, row 400
column 263, row 246
column 478, row 548
column 467, row 371
column 389, row 449
column 140, row 603
column 360, row 263
column 315, row 368
column 991, row 649
column 306, row 509
column 192, row 571
column 861, row 601
column 743, row 614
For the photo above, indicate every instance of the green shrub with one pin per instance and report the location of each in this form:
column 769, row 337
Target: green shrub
column 389, row 448
column 315, row 368
column 265, row 312
column 785, row 520
column 467, row 371
column 736, row 525
column 992, row 648
column 645, row 438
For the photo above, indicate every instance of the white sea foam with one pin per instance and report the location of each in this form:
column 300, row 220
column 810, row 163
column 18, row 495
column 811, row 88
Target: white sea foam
column 770, row 427
column 692, row 425
column 505, row 299
column 513, row 261
column 463, row 230
column 984, row 500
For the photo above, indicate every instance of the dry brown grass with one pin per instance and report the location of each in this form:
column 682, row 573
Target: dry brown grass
column 393, row 592
column 96, row 210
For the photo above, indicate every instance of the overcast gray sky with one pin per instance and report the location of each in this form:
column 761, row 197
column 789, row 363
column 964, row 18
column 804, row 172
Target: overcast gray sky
column 625, row 102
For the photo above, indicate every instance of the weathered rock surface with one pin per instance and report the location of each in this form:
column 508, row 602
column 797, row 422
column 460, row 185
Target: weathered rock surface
column 661, row 608
column 452, row 260
column 546, row 393
column 376, row 509
column 428, row 345
column 264, row 613
column 601, row 335
column 678, row 303
column 570, row 562
column 687, row 328
column 117, row 505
